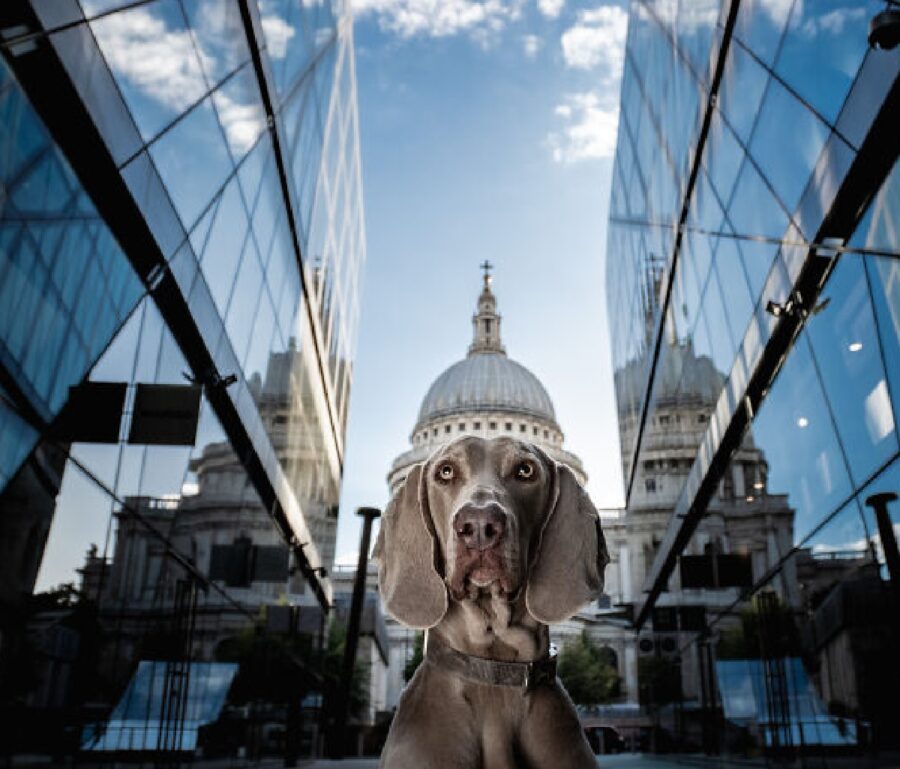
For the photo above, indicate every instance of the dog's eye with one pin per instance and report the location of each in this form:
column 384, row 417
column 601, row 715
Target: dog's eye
column 445, row 472
column 525, row 471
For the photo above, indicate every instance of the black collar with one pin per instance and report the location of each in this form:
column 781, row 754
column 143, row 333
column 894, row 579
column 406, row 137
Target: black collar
column 521, row 675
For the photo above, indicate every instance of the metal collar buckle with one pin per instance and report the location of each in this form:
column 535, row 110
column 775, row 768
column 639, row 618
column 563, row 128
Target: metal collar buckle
column 540, row 671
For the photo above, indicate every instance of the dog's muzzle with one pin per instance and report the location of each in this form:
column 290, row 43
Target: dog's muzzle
column 480, row 527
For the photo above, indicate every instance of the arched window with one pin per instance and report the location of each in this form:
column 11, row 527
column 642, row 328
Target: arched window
column 609, row 656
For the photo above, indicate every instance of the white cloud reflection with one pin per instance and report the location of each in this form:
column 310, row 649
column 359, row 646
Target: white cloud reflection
column 278, row 34
column 159, row 61
column 164, row 65
column 860, row 546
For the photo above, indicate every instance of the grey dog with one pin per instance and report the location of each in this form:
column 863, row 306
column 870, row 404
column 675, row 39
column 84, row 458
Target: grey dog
column 484, row 545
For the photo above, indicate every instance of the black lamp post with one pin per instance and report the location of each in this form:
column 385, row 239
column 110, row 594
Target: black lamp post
column 342, row 706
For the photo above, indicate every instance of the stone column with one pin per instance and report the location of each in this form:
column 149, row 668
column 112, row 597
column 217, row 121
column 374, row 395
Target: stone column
column 631, row 672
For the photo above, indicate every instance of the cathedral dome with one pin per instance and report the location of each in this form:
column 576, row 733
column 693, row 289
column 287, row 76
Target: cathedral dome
column 682, row 377
column 485, row 394
column 487, row 381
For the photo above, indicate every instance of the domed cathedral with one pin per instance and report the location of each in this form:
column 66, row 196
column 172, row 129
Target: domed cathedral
column 486, row 394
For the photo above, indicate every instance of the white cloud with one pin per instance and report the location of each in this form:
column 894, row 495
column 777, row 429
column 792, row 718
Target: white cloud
column 589, row 132
column 597, row 41
column 440, row 18
column 550, row 8
column 531, row 44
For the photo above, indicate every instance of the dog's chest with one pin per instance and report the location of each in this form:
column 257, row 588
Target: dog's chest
column 493, row 628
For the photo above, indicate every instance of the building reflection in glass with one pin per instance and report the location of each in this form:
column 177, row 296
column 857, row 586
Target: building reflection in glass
column 181, row 245
column 753, row 267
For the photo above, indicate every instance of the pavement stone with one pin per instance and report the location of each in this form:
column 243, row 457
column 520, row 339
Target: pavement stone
column 620, row 761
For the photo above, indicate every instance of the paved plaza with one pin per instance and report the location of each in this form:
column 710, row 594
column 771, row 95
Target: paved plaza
column 623, row 761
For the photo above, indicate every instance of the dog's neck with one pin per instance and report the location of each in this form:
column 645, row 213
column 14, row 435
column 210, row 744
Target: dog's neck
column 486, row 624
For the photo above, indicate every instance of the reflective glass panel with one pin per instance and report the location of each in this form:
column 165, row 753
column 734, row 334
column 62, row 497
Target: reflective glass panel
column 741, row 92
column 219, row 259
column 753, row 210
column 152, row 56
column 794, row 429
column 823, row 48
column 884, row 284
column 786, row 143
column 849, row 359
column 760, row 26
column 193, row 161
column 219, row 35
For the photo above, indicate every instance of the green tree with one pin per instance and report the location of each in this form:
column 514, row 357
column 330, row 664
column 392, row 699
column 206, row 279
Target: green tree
column 412, row 664
column 278, row 668
column 659, row 681
column 588, row 672
column 766, row 625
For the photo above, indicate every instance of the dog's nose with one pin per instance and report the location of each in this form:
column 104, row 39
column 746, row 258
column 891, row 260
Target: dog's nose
column 479, row 528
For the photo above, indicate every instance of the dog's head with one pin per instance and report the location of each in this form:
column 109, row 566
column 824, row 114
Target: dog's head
column 494, row 515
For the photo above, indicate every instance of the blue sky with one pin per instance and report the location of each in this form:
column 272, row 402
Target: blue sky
column 487, row 131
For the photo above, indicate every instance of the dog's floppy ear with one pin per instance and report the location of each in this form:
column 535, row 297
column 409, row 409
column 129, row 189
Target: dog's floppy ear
column 569, row 555
column 407, row 551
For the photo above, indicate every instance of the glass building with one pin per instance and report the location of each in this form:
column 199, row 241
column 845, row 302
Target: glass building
column 754, row 232
column 181, row 247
